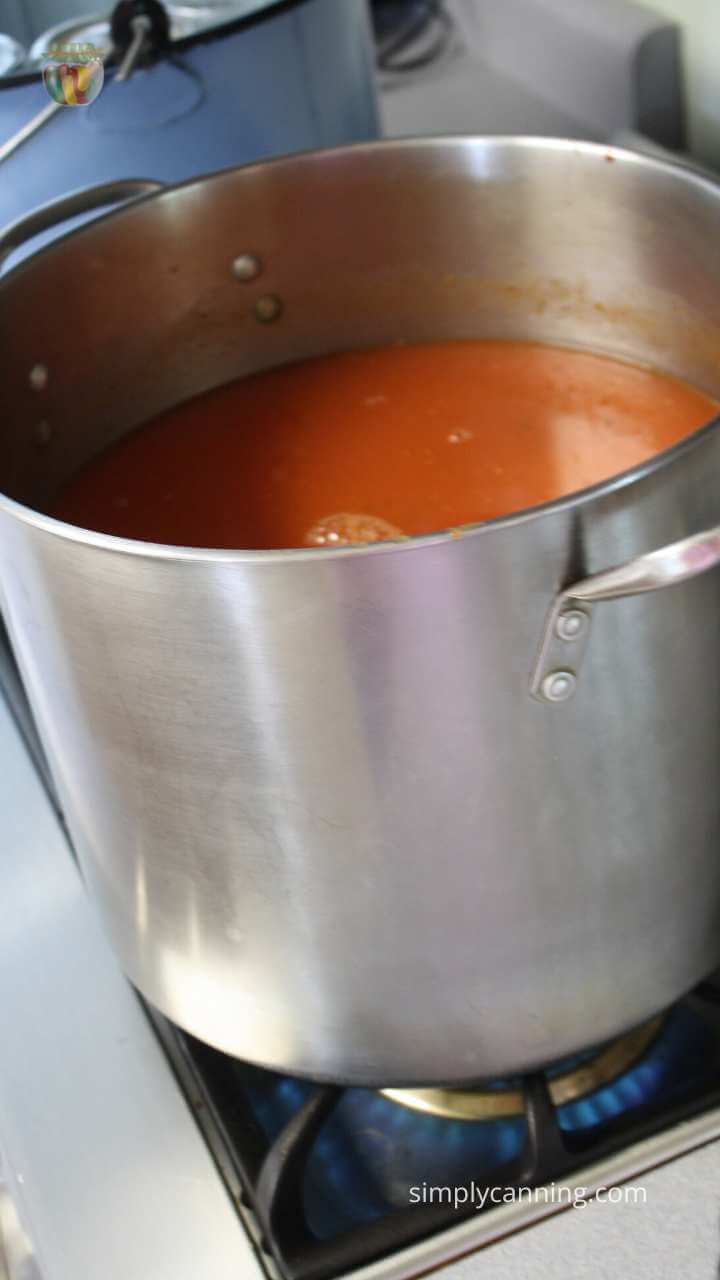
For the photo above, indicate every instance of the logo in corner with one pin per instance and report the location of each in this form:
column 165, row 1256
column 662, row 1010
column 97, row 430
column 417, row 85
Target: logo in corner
column 73, row 74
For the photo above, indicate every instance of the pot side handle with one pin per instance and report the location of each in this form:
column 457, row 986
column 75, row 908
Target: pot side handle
column 567, row 629
column 71, row 206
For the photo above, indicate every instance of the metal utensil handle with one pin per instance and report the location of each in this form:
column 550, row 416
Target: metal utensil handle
column 56, row 211
column 27, row 130
column 141, row 26
column 567, row 630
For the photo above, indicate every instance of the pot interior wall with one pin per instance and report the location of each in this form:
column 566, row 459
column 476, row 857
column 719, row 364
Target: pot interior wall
column 406, row 242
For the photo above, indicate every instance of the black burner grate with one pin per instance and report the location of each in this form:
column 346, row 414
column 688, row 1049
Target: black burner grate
column 268, row 1169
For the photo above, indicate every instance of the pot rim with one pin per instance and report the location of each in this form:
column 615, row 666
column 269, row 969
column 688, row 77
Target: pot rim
column 580, row 497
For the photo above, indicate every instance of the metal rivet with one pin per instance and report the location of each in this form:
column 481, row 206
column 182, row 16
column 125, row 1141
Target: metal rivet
column 246, row 267
column 38, row 377
column 559, row 686
column 571, row 624
column 268, row 308
column 43, row 432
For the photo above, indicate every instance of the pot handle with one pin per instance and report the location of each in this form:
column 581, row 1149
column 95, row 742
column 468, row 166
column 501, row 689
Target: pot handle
column 70, row 206
column 567, row 629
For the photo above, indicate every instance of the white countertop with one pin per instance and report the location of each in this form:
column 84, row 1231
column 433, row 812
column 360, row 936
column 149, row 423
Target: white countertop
column 675, row 1235
column 99, row 1150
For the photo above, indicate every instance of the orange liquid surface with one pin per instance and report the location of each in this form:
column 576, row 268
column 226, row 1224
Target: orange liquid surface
column 369, row 444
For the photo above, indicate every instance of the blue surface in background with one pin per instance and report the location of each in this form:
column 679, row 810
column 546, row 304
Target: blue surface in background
column 299, row 79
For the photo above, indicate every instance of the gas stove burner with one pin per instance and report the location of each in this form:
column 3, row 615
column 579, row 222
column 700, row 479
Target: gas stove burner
column 568, row 1083
column 329, row 1176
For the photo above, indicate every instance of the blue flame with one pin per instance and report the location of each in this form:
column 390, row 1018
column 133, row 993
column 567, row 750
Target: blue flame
column 372, row 1150
column 671, row 1064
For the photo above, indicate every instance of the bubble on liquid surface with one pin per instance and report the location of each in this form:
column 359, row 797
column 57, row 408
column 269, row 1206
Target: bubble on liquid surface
column 347, row 527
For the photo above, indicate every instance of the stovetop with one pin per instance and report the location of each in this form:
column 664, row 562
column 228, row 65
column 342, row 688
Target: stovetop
column 332, row 1179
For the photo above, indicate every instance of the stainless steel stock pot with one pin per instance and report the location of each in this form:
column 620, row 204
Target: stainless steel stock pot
column 410, row 813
